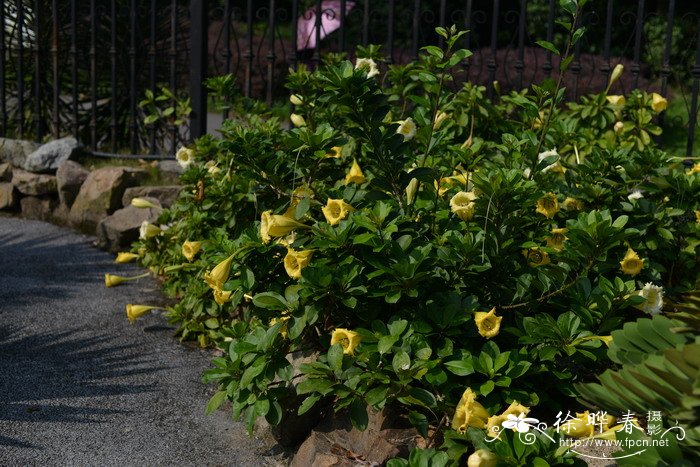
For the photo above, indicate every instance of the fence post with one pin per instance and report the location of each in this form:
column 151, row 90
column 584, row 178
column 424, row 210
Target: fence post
column 198, row 67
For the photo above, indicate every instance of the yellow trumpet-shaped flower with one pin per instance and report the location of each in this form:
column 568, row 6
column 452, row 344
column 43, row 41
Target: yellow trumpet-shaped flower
column 548, row 205
column 125, row 257
column 493, row 424
column 367, row 65
column 336, row 152
column 336, row 210
column 482, row 458
column 184, row 157
column 488, row 324
column 217, row 277
column 355, row 175
column 445, row 183
column 694, row 169
column 148, row 230
column 653, row 299
column 469, row 412
column 348, row 340
column 295, row 261
column 658, row 103
column 557, row 239
column 515, row 408
column 142, row 203
column 212, row 168
column 112, row 281
column 133, row 312
column 297, row 120
column 462, row 205
column 190, row 249
column 283, row 329
column 697, row 217
column 407, row 128
column 573, row 204
column 631, row 264
column 274, row 225
column 222, row 296
column 617, row 101
column 536, row 257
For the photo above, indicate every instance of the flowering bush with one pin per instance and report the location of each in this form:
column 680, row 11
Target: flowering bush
column 436, row 250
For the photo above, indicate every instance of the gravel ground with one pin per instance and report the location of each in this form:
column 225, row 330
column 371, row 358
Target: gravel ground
column 79, row 385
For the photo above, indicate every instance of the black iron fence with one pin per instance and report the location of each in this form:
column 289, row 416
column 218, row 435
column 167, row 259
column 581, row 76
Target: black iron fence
column 82, row 68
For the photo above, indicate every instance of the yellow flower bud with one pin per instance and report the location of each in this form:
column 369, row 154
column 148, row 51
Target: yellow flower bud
column 125, row 257
column 411, row 191
column 142, row 203
column 615, row 75
column 274, row 225
column 297, row 120
column 112, row 281
column 296, row 99
column 440, row 119
column 133, row 312
column 355, row 175
column 217, row 277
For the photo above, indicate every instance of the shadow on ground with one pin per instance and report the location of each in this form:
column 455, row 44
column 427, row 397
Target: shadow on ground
column 40, row 375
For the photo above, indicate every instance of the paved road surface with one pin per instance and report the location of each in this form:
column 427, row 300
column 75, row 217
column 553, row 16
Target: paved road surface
column 79, row 385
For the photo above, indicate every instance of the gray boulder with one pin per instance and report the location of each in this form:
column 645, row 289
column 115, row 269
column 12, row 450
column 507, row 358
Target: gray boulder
column 5, row 172
column 69, row 177
column 49, row 156
column 32, row 184
column 38, row 207
column 118, row 231
column 165, row 194
column 170, row 171
column 8, row 195
column 386, row 436
column 101, row 194
column 15, row 151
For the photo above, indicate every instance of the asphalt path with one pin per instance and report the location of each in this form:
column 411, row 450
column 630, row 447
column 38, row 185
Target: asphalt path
column 79, row 385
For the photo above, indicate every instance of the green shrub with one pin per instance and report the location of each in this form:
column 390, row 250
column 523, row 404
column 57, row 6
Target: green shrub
column 430, row 246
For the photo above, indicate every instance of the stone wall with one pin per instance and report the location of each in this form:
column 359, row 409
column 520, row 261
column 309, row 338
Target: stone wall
column 47, row 182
